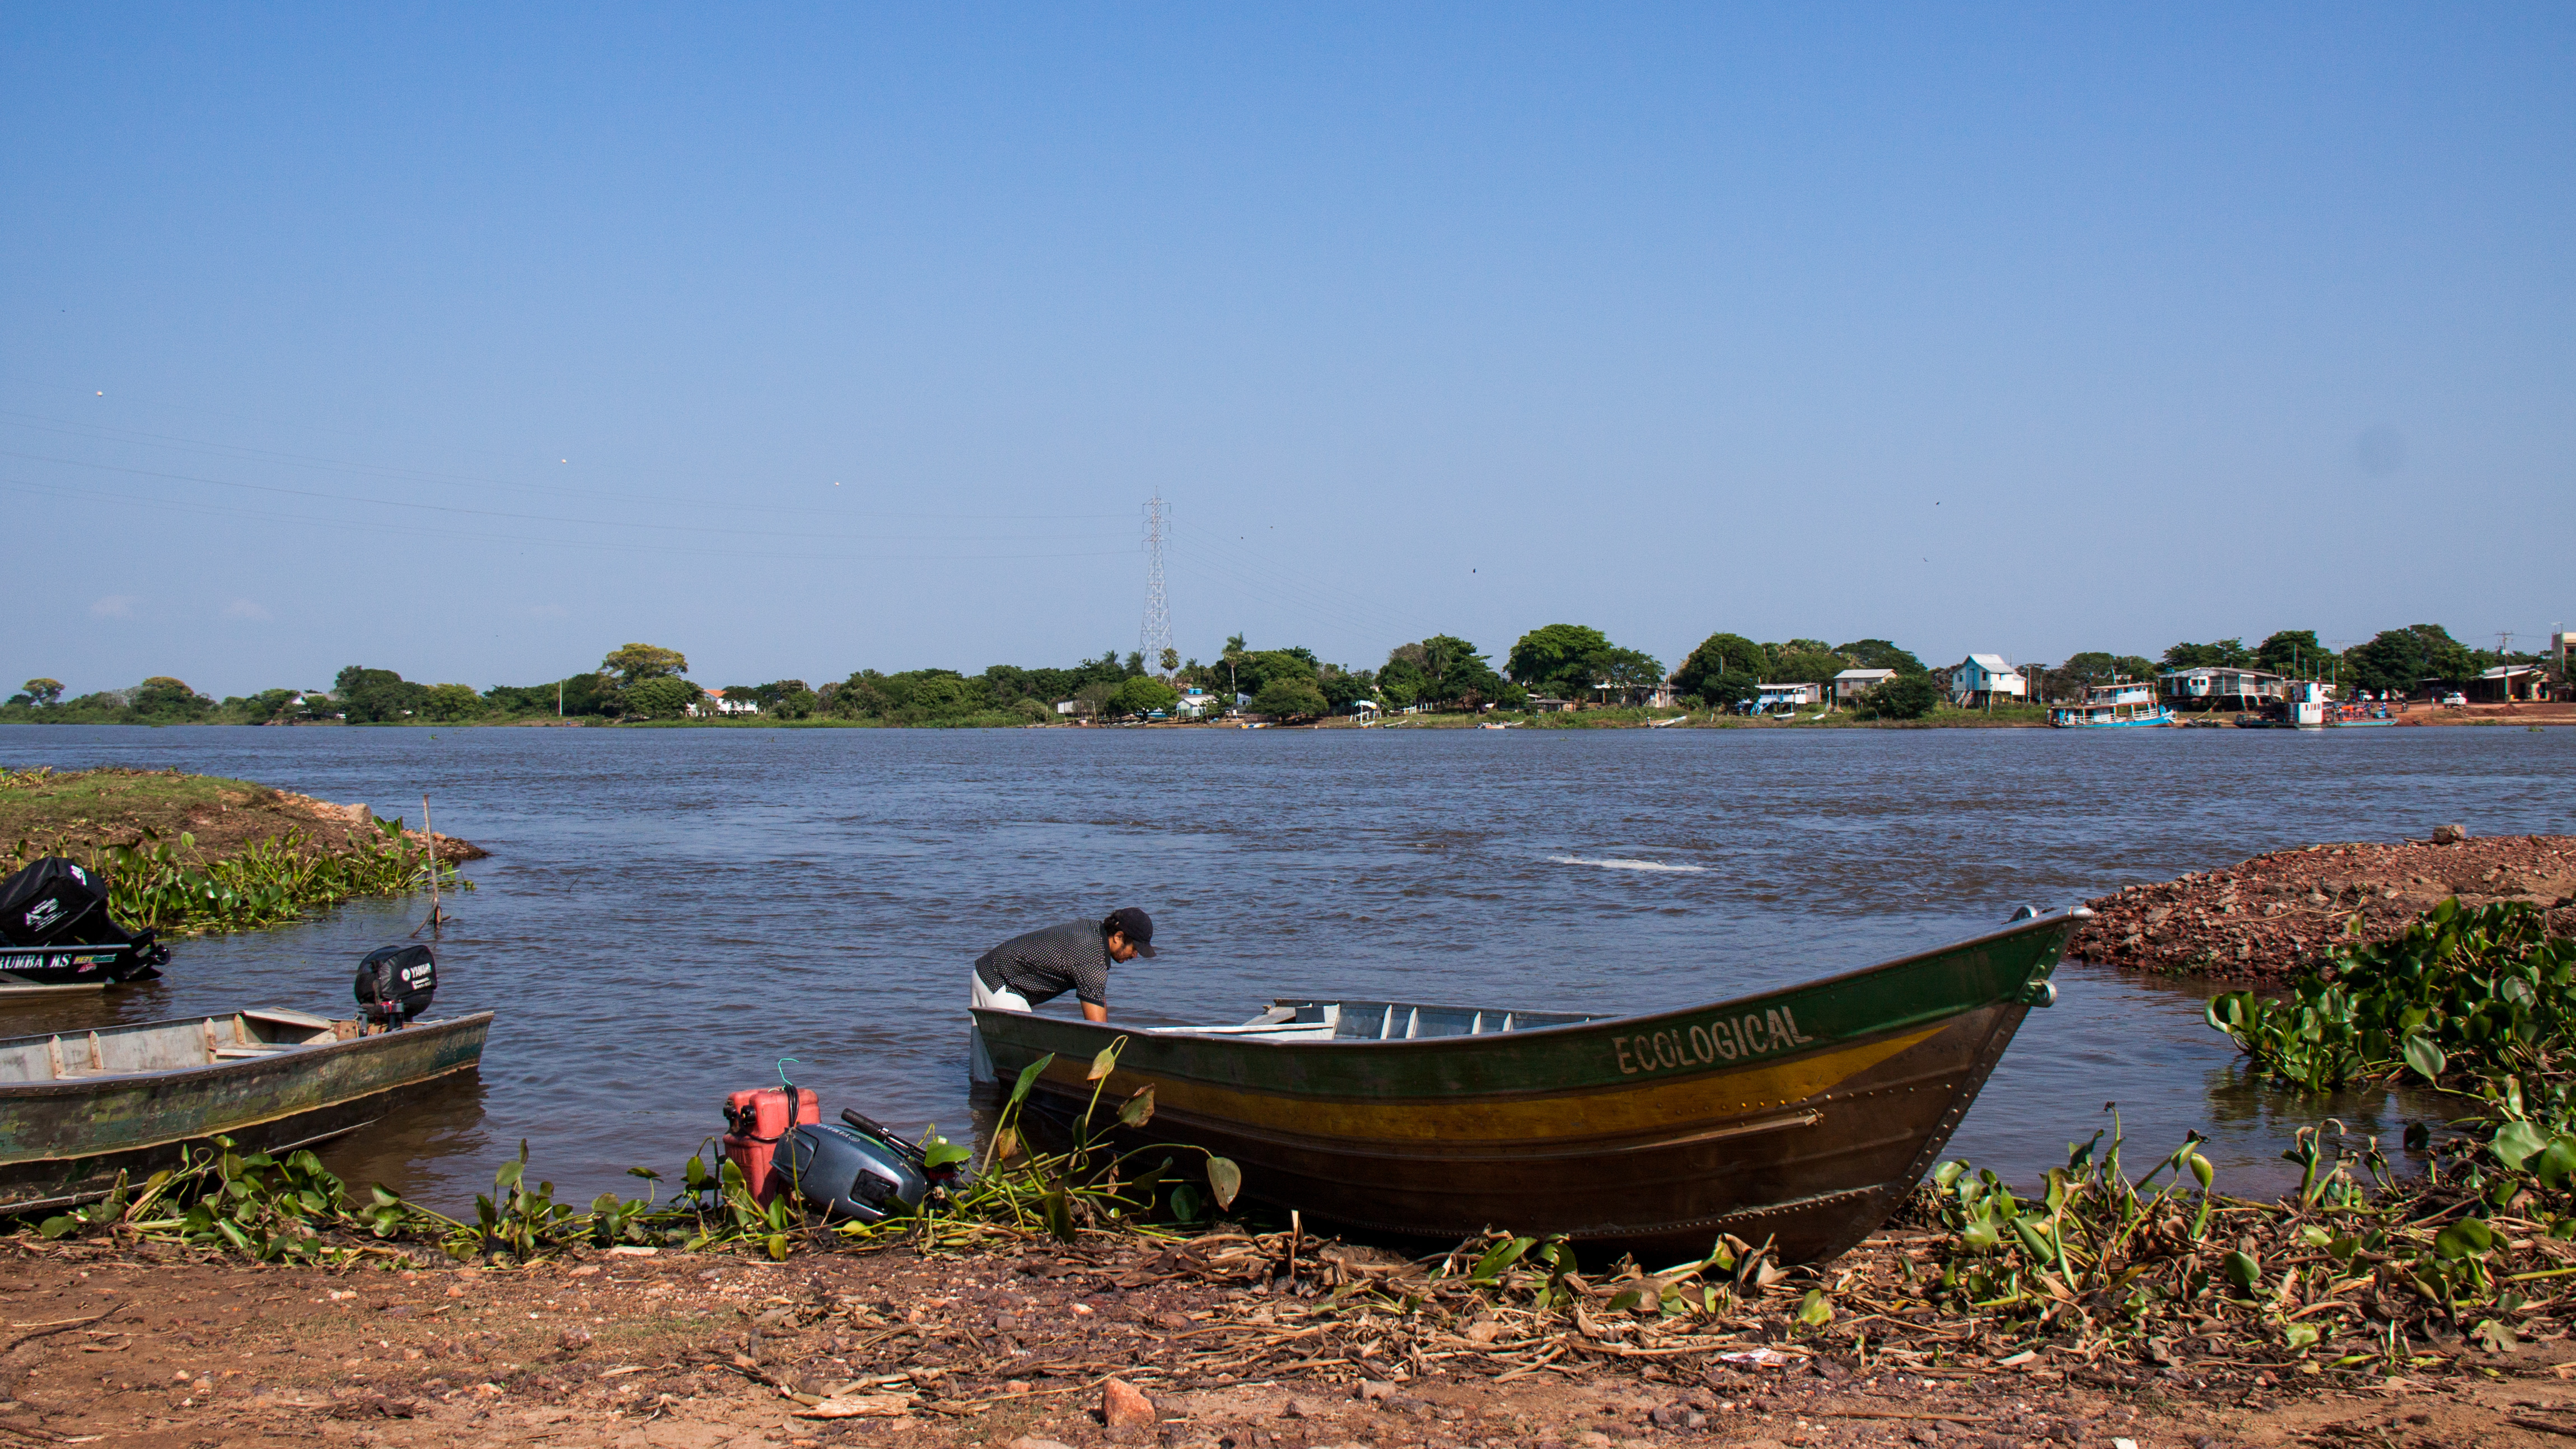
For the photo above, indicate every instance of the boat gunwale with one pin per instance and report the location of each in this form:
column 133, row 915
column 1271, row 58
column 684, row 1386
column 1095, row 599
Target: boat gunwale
column 2043, row 921
column 94, row 1083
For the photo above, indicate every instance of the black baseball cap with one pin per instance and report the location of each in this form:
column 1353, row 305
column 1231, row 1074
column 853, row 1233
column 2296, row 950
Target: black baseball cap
column 1135, row 925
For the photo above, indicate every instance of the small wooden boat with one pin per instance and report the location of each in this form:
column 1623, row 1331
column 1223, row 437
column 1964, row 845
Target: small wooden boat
column 1802, row 1116
column 78, row 1107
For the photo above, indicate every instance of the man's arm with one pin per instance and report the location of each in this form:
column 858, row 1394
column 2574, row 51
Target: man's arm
column 1092, row 1011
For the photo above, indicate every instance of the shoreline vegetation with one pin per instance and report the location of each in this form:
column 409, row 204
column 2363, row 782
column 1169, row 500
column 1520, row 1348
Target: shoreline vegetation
column 1558, row 676
column 189, row 854
column 2400, row 1286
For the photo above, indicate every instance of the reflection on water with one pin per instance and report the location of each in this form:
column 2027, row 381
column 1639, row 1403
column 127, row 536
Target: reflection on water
column 667, row 914
column 2139, row 1041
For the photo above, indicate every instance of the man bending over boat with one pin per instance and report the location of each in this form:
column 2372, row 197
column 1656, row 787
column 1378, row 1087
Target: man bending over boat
column 1028, row 971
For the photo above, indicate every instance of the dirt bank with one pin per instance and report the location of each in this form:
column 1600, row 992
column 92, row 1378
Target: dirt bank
column 2556, row 712
column 2268, row 917
column 126, row 1346
column 81, row 812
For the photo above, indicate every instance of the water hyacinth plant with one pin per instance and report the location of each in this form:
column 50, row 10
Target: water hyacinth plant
column 292, row 1209
column 2460, row 995
column 153, row 884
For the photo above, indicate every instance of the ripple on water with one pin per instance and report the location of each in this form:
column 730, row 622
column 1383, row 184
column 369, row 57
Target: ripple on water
column 668, row 913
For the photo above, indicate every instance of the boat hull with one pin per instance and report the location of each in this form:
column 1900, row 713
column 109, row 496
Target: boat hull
column 2135, row 722
column 63, row 1142
column 1801, row 1116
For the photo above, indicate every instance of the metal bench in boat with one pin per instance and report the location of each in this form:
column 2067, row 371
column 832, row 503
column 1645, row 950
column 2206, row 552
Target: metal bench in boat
column 165, row 1046
column 1288, row 1020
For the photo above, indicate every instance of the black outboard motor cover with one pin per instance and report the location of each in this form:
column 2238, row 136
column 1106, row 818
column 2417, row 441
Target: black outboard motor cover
column 395, row 983
column 846, row 1174
column 58, row 902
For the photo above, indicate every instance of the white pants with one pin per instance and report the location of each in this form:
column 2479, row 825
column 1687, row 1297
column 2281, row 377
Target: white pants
column 980, row 1063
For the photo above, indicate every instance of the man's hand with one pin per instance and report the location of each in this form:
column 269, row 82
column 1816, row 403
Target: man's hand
column 1094, row 1013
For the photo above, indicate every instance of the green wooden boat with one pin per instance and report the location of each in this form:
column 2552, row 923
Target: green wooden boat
column 78, row 1107
column 1802, row 1116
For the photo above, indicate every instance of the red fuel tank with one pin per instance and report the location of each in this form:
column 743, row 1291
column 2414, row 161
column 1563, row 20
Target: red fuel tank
column 758, row 1118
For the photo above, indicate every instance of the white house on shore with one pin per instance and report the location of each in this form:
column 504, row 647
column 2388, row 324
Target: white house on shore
column 1983, row 679
column 713, row 702
column 1851, row 684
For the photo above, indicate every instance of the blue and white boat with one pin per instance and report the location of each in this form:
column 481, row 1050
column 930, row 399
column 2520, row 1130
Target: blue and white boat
column 2124, row 705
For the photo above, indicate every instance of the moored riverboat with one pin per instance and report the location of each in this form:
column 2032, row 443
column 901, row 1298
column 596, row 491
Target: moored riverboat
column 2306, row 705
column 79, row 1107
column 2124, row 705
column 1800, row 1116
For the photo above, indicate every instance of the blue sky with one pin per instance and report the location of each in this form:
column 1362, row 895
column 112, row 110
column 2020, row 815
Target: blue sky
column 474, row 341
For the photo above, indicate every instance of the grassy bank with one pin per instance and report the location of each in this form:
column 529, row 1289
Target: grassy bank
column 189, row 853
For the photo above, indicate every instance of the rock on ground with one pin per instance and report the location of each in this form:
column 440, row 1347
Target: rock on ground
column 2275, row 914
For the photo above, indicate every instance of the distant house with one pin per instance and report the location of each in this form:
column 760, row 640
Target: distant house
column 713, row 702
column 2506, row 684
column 1547, row 704
column 1366, row 709
column 1195, row 703
column 1647, row 696
column 2220, row 686
column 1073, row 706
column 1983, row 679
column 1786, row 698
column 1851, row 684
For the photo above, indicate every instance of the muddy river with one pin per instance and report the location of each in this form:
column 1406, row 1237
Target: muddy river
column 667, row 913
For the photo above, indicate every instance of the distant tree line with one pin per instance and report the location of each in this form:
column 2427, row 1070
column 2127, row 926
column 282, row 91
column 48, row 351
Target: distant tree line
column 1574, row 663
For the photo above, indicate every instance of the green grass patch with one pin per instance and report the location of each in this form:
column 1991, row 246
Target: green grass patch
column 185, row 854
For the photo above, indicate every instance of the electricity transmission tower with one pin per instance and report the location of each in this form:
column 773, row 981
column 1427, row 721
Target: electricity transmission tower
column 1155, row 639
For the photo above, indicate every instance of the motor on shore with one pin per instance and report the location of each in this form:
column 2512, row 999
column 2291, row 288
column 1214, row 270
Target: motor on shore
column 856, row 1170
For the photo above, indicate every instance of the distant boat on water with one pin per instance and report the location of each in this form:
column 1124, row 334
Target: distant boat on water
column 2125, row 705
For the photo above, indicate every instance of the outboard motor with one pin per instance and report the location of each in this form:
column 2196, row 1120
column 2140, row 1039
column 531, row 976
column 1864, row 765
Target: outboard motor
column 395, row 984
column 58, row 902
column 857, row 1170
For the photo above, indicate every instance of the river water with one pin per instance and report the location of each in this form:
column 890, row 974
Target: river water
column 666, row 913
